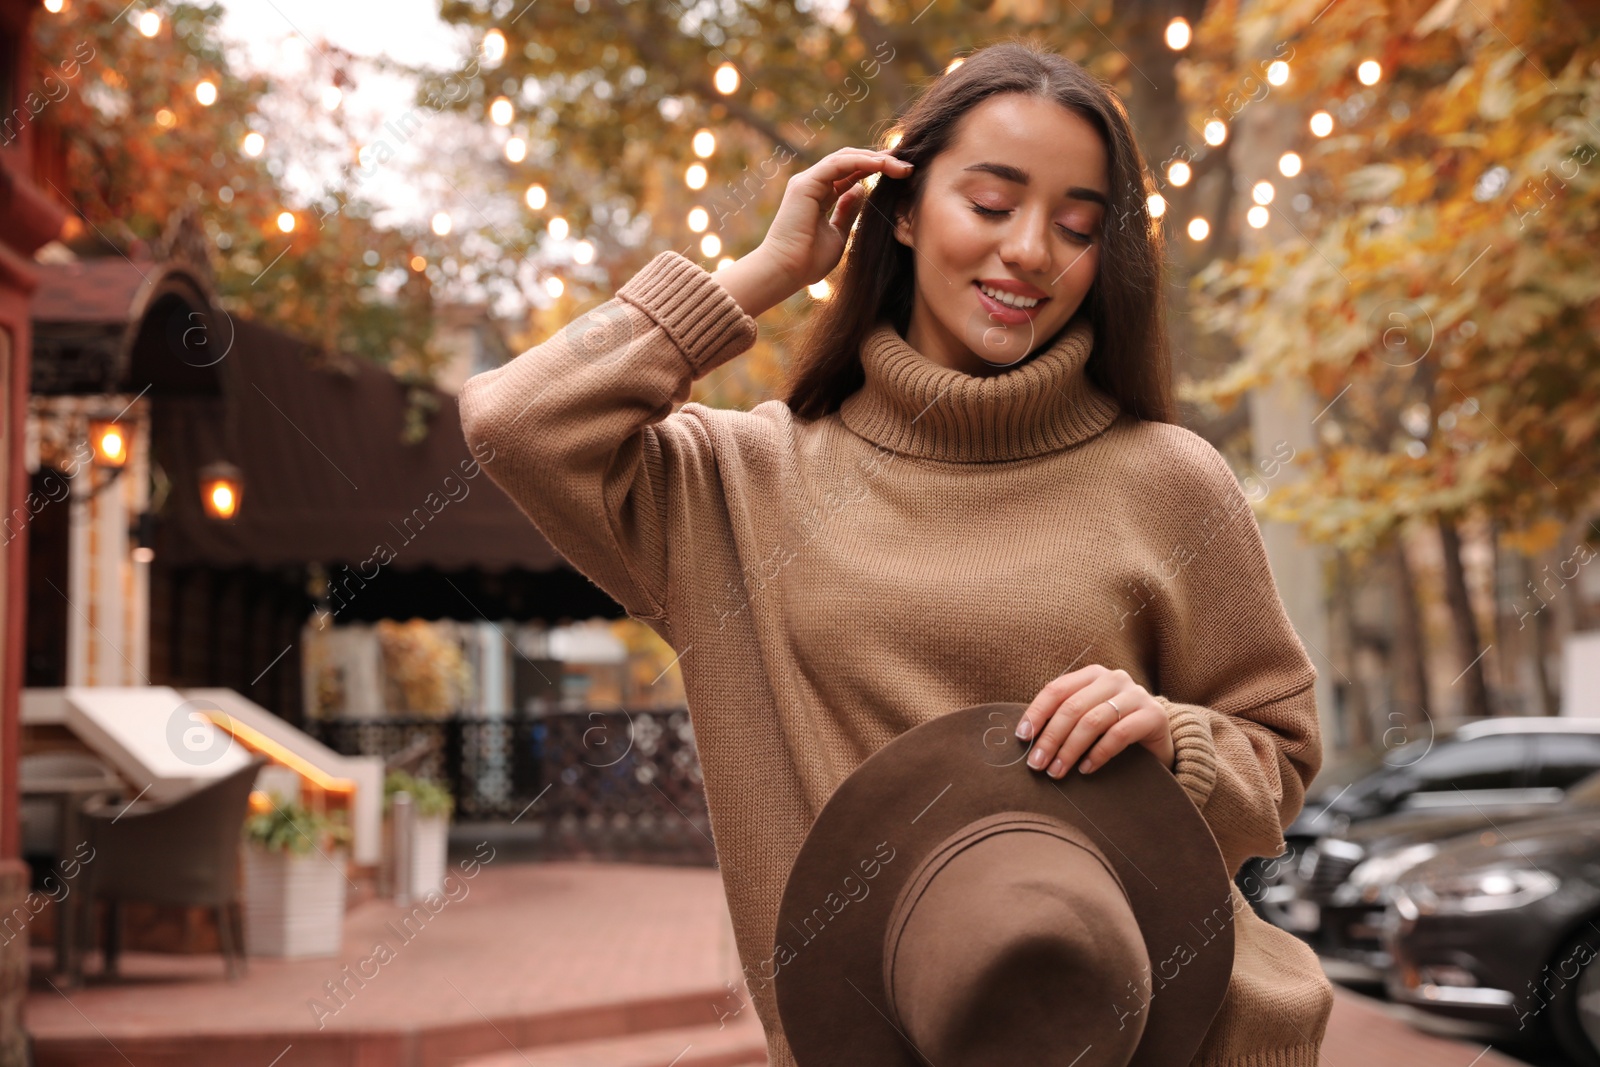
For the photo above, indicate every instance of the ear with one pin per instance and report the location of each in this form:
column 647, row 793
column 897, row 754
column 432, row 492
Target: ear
column 902, row 227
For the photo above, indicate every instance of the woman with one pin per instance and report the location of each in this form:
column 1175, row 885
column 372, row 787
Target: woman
column 973, row 492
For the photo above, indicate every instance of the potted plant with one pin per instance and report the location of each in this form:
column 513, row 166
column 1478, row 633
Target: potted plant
column 294, row 866
column 431, row 805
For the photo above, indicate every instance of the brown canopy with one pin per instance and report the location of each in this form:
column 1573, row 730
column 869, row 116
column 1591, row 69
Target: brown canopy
column 326, row 476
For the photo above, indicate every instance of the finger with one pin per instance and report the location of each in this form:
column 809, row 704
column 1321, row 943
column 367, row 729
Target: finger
column 1114, row 740
column 1050, row 697
column 843, row 209
column 1076, row 723
column 844, row 183
column 848, row 160
column 1094, row 725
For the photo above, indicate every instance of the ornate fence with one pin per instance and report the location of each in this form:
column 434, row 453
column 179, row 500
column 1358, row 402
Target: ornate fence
column 611, row 784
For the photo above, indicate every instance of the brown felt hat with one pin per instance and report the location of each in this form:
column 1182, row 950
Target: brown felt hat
column 953, row 907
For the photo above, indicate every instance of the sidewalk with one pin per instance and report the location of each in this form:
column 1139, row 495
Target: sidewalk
column 533, row 965
column 1364, row 1032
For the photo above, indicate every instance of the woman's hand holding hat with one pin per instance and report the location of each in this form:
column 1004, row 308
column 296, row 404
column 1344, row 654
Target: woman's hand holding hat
column 1074, row 709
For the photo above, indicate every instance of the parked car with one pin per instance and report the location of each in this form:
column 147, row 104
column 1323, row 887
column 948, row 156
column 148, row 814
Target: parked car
column 1351, row 876
column 1491, row 764
column 1500, row 928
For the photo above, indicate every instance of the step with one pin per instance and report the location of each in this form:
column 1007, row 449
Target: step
column 741, row 1042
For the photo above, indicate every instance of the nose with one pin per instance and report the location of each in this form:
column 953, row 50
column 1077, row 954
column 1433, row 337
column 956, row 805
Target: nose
column 1025, row 245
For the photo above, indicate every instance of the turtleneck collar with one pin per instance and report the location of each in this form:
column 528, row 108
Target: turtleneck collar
column 917, row 407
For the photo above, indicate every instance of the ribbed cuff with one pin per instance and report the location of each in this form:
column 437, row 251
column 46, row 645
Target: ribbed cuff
column 702, row 318
column 1196, row 763
column 1307, row 1055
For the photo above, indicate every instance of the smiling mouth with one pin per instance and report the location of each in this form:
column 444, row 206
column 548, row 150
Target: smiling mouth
column 1039, row 302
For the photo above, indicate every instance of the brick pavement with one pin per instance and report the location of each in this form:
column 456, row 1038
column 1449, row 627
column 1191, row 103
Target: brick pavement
column 530, row 956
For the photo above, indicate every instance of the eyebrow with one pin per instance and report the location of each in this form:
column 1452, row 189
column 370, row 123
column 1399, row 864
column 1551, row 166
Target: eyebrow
column 1010, row 173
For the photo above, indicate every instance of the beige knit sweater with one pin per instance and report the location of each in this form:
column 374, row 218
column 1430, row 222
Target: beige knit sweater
column 943, row 540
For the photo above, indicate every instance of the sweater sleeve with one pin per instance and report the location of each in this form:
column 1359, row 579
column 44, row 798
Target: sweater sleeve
column 577, row 430
column 1234, row 676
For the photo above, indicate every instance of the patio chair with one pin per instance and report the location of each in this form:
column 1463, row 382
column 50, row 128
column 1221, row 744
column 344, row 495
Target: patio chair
column 183, row 851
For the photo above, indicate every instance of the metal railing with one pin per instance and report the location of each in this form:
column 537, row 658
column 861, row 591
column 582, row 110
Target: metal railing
column 589, row 782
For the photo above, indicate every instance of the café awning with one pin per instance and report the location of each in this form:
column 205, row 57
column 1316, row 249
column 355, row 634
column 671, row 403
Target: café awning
column 327, row 476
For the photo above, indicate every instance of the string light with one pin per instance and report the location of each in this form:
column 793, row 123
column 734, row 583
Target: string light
column 419, row 264
column 558, row 228
column 286, row 221
column 254, row 144
column 54, row 6
column 442, row 223
column 1198, row 228
column 1369, row 72
column 583, row 252
column 1216, row 132
column 710, row 245
column 166, row 119
column 494, row 47
column 1179, row 34
column 516, row 149
column 536, row 197
column 704, row 143
column 1179, row 173
column 501, row 111
column 726, row 79
column 953, row 64
column 1277, row 72
column 1262, row 192
column 699, row 219
column 1289, row 164
column 1257, row 217
column 725, row 261
column 1157, row 204
column 206, row 93
column 1322, row 124
column 695, row 176
column 332, row 96
column 149, row 23
column 554, row 286
column 820, row 290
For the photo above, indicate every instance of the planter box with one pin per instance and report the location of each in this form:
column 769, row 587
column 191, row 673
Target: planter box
column 294, row 905
column 429, row 847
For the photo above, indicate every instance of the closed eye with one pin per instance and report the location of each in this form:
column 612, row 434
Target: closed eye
column 989, row 212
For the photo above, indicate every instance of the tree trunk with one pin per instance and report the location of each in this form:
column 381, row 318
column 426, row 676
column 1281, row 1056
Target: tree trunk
column 1540, row 654
column 1410, row 668
column 1353, row 707
column 1463, row 624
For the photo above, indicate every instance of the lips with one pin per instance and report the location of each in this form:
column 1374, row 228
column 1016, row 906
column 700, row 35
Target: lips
column 1006, row 313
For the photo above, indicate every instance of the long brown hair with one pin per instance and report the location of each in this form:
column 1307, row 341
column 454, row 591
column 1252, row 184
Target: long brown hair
column 1130, row 360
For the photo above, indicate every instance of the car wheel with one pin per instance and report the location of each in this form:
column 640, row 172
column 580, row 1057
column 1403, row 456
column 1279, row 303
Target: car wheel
column 1574, row 978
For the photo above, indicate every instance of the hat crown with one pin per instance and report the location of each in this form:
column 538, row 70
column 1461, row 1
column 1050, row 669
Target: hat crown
column 1017, row 920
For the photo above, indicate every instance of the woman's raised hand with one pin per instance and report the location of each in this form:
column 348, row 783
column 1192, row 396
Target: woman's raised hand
column 820, row 205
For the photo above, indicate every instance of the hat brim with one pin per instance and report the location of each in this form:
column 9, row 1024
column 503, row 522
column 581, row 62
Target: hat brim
column 928, row 783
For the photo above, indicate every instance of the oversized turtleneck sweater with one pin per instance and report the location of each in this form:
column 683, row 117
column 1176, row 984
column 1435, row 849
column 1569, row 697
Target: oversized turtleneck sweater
column 941, row 540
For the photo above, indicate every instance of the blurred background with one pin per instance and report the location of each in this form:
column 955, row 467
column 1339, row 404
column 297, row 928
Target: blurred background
column 313, row 751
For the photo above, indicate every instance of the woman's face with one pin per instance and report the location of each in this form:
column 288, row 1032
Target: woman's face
column 1016, row 201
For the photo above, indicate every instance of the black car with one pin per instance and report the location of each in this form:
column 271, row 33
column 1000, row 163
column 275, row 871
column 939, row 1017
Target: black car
column 1502, row 928
column 1351, row 876
column 1488, row 765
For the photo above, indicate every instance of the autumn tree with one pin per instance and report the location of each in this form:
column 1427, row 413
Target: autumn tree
column 148, row 117
column 1430, row 273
